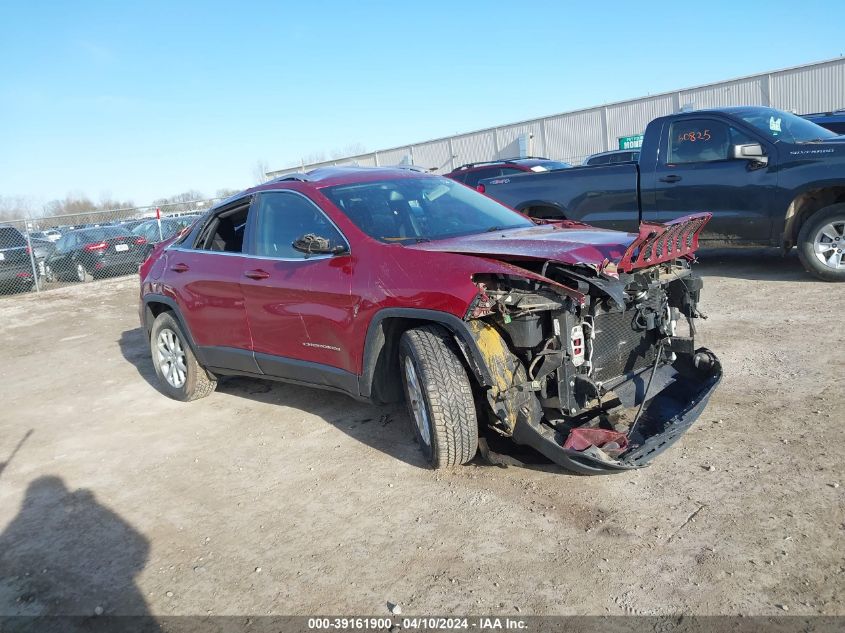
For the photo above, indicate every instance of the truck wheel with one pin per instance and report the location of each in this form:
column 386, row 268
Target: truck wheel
column 439, row 396
column 821, row 243
column 182, row 377
column 545, row 213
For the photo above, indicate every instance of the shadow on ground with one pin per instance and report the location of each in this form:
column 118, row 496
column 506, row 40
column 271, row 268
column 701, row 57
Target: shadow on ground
column 67, row 554
column 752, row 264
column 385, row 428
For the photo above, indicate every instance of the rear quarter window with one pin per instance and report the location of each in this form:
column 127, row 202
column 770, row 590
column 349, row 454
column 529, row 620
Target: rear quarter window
column 10, row 237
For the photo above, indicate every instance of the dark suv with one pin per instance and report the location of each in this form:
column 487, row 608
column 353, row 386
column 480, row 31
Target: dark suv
column 471, row 173
column 15, row 261
column 383, row 283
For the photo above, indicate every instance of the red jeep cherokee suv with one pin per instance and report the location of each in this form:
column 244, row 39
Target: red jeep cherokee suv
column 381, row 283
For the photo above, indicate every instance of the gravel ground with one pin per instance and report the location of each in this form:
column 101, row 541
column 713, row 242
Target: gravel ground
column 267, row 498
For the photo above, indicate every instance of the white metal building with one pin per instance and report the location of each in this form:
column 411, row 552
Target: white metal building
column 572, row 136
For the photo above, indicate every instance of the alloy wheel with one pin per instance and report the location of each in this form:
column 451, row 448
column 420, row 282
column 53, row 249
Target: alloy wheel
column 417, row 402
column 829, row 245
column 171, row 358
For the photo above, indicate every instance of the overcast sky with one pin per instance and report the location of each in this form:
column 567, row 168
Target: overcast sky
column 146, row 99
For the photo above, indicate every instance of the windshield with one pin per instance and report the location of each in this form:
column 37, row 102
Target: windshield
column 421, row 209
column 778, row 125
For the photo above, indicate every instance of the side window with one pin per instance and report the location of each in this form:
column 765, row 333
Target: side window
column 508, row 171
column 702, row 141
column 474, row 177
column 225, row 231
column 599, row 160
column 284, row 218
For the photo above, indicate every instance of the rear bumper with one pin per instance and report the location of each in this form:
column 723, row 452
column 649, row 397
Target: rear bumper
column 678, row 395
column 11, row 274
column 127, row 262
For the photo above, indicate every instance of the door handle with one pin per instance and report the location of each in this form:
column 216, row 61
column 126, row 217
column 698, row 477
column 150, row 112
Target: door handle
column 670, row 178
column 179, row 268
column 257, row 274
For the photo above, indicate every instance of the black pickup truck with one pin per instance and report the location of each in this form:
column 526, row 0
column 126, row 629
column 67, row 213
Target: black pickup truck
column 768, row 177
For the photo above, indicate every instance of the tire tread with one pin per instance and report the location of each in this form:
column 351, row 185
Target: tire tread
column 449, row 393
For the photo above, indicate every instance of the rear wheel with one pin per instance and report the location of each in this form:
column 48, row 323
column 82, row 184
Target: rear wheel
column 439, row 396
column 82, row 273
column 181, row 376
column 544, row 213
column 821, row 243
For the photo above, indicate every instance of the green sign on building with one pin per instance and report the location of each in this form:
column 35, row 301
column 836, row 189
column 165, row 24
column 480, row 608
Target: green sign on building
column 631, row 142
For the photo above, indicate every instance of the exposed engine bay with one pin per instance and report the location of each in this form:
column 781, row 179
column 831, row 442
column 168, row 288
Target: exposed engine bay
column 598, row 372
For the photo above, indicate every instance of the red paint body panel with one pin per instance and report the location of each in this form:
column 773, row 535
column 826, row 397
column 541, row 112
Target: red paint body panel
column 302, row 310
column 210, row 296
column 582, row 245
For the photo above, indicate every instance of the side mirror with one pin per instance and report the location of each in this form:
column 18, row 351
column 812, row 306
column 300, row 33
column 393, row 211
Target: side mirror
column 312, row 244
column 752, row 152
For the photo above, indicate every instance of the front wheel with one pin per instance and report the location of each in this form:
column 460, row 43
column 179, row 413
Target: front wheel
column 439, row 396
column 821, row 243
column 182, row 377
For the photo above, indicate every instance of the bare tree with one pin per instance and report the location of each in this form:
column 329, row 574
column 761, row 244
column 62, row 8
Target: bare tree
column 15, row 207
column 179, row 203
column 259, row 171
column 353, row 149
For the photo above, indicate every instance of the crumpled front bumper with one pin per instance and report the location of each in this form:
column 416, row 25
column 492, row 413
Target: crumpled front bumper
column 679, row 393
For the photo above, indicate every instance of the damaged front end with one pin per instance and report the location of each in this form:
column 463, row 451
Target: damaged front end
column 596, row 367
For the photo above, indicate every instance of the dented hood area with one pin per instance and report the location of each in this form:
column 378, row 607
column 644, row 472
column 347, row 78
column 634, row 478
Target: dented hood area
column 573, row 245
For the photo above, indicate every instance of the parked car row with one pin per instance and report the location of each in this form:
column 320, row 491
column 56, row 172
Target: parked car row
column 79, row 254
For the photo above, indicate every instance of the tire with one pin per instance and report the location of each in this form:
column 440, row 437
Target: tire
column 49, row 275
column 82, row 273
column 545, row 213
column 439, row 396
column 822, row 237
column 183, row 381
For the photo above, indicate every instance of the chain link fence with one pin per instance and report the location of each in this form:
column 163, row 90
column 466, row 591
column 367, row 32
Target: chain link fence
column 41, row 253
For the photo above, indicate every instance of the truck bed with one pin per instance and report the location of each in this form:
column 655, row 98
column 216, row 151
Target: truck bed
column 604, row 195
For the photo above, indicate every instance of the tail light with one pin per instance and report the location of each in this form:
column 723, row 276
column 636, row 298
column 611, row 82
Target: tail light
column 141, row 240
column 98, row 246
column 480, row 188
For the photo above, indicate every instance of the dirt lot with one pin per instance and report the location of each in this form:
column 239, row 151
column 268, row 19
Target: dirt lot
column 269, row 498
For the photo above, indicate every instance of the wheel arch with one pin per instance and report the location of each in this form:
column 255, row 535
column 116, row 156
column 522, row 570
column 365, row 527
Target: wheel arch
column 804, row 205
column 380, row 379
column 544, row 209
column 156, row 304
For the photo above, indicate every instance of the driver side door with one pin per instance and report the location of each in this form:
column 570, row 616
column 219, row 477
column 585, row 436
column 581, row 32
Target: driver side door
column 299, row 305
column 697, row 172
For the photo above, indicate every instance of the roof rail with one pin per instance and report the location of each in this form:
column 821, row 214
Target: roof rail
column 419, row 168
column 300, row 176
column 501, row 160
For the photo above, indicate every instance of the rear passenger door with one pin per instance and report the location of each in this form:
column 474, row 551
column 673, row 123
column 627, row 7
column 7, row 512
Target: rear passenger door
column 205, row 277
column 299, row 305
